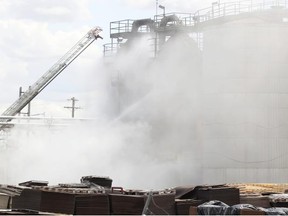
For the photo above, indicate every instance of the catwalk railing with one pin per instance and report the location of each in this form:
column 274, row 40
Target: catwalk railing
column 190, row 20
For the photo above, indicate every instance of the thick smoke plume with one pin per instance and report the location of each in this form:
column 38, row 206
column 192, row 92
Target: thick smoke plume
column 146, row 144
column 190, row 116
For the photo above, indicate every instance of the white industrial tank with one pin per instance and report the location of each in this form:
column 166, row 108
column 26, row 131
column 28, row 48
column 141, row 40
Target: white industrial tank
column 245, row 99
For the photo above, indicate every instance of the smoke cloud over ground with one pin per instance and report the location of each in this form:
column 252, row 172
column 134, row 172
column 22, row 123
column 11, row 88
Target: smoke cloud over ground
column 147, row 144
column 186, row 117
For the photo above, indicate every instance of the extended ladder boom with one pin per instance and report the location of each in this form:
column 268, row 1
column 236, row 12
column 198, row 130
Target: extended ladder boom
column 52, row 73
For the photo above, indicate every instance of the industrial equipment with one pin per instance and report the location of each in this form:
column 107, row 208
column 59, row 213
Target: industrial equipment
column 51, row 74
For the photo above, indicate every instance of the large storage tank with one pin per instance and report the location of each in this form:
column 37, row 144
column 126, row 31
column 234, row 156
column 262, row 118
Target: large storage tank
column 245, row 99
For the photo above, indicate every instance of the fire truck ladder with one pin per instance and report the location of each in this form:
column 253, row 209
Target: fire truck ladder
column 51, row 74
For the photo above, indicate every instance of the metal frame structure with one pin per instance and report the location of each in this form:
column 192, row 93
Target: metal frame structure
column 192, row 23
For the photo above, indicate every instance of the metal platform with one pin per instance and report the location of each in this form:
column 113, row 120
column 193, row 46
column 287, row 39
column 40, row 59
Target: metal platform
column 192, row 23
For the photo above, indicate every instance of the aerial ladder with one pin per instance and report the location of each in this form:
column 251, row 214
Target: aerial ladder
column 51, row 74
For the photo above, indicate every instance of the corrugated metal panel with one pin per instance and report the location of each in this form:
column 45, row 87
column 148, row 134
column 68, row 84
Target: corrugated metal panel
column 245, row 101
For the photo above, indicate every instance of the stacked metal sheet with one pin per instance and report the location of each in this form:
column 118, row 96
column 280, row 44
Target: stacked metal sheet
column 133, row 203
column 4, row 201
column 57, row 202
column 97, row 204
column 45, row 201
column 98, row 180
column 65, row 199
column 183, row 205
column 186, row 192
column 34, row 183
column 255, row 200
column 188, row 196
column 6, row 194
column 162, row 204
column 228, row 195
column 10, row 190
column 28, row 199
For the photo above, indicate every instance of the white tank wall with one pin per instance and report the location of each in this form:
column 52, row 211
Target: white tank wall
column 245, row 102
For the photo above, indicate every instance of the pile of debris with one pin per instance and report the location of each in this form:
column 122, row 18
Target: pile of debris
column 95, row 195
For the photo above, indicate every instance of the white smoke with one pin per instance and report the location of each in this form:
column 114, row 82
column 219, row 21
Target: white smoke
column 186, row 117
column 144, row 146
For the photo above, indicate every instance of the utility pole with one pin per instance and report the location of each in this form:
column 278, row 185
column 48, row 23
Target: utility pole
column 73, row 107
column 156, row 7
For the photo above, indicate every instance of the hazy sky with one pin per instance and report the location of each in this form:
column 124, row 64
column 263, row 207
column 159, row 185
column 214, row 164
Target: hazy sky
column 36, row 33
